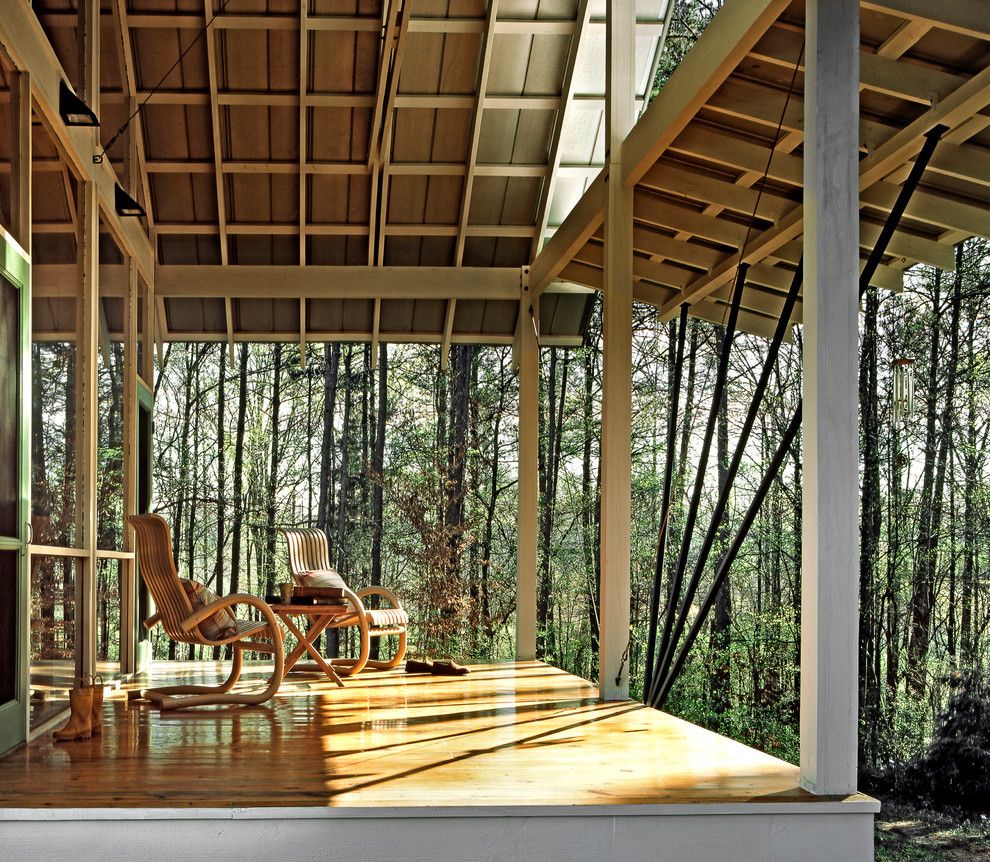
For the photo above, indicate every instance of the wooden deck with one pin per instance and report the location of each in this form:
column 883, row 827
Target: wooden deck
column 506, row 735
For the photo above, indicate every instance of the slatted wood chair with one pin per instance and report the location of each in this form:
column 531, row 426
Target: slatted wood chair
column 183, row 624
column 309, row 554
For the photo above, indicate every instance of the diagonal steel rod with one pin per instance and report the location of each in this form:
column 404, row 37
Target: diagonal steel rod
column 769, row 363
column 668, row 476
column 730, row 555
column 666, row 649
column 900, row 205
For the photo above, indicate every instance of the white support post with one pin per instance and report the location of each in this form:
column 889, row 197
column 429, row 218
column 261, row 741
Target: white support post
column 128, row 572
column 830, row 548
column 529, row 439
column 620, row 110
column 87, row 347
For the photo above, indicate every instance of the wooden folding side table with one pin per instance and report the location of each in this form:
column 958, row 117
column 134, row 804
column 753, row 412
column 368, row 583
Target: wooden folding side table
column 320, row 617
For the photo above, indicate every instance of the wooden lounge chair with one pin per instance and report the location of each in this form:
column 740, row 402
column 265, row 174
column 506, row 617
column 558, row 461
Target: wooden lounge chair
column 309, row 554
column 183, row 624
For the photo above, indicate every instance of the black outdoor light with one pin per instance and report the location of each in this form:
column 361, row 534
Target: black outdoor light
column 125, row 204
column 74, row 111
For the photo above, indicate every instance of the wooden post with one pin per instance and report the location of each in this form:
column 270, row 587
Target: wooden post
column 87, row 346
column 830, row 542
column 128, row 592
column 20, row 171
column 529, row 439
column 617, row 362
column 129, row 633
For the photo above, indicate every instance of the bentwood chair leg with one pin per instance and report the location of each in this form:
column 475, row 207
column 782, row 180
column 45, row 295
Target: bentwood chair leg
column 206, row 695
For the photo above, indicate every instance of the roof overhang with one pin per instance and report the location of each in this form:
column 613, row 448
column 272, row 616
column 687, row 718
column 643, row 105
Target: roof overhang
column 697, row 158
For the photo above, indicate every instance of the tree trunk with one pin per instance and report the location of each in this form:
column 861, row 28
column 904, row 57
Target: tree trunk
column 345, row 443
column 275, row 457
column 722, row 617
column 930, row 517
column 460, row 379
column 238, row 525
column 378, row 477
column 331, row 367
column 220, row 539
column 870, row 524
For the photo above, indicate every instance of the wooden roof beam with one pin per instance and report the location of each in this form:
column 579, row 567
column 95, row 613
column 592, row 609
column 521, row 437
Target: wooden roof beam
column 957, row 16
column 553, row 159
column 303, row 138
column 712, row 59
column 580, row 224
column 971, row 98
column 125, row 53
column 337, row 282
column 30, row 51
column 211, row 62
column 920, row 84
column 484, row 65
column 715, row 55
column 376, row 324
column 448, row 332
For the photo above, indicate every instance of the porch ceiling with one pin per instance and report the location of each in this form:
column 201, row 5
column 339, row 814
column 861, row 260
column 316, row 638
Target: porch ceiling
column 364, row 133
column 698, row 155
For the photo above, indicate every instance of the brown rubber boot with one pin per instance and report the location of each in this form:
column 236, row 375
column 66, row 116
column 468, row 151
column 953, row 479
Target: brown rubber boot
column 96, row 715
column 80, row 723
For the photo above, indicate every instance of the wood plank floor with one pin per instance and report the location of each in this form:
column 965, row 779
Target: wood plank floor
column 508, row 734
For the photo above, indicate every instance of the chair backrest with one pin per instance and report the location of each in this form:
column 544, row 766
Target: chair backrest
column 308, row 551
column 153, row 543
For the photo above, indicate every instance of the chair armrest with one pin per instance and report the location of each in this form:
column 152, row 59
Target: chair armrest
column 197, row 617
column 152, row 621
column 381, row 591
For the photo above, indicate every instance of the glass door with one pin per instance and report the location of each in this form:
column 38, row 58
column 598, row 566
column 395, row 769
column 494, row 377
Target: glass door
column 15, row 416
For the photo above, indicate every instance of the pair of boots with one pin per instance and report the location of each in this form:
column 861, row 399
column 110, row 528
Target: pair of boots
column 86, row 718
column 437, row 668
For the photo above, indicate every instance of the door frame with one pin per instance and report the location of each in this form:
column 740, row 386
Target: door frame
column 15, row 267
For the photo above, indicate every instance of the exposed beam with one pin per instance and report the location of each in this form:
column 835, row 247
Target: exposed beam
column 135, row 129
column 484, row 64
column 375, row 330
column 228, row 314
column 387, row 46
column 211, row 67
column 724, row 43
column 580, row 224
column 553, row 159
column 448, row 331
column 30, row 51
column 303, row 137
column 879, row 74
column 302, row 332
column 323, row 337
column 338, row 282
column 958, row 16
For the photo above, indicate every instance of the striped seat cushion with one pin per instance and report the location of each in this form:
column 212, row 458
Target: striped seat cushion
column 387, row 618
column 324, row 579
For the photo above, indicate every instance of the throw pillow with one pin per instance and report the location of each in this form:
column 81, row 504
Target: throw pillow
column 216, row 626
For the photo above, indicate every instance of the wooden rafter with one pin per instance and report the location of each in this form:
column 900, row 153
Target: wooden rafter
column 448, row 332
column 211, row 65
column 484, row 66
column 970, row 98
column 553, row 160
column 303, row 136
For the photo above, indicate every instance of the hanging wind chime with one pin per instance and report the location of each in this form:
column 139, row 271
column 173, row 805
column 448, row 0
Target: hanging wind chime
column 903, row 396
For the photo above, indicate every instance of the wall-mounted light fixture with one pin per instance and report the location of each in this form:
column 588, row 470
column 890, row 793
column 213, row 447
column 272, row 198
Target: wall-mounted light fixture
column 125, row 204
column 73, row 110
